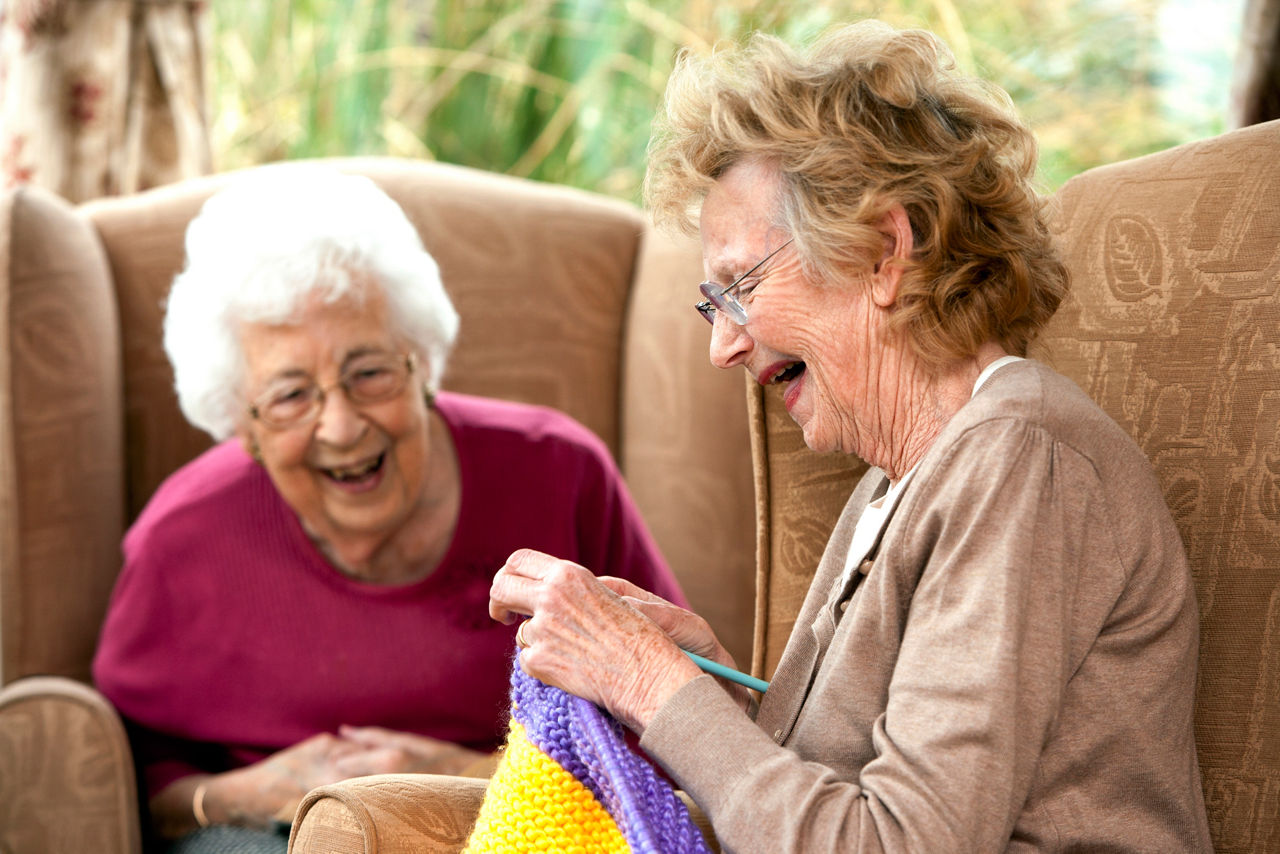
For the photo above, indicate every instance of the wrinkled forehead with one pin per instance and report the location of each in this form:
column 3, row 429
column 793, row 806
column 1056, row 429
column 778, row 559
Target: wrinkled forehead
column 738, row 222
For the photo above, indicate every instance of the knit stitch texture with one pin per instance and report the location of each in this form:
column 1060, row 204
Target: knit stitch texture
column 568, row 781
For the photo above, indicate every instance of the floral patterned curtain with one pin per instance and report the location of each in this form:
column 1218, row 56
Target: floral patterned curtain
column 102, row 97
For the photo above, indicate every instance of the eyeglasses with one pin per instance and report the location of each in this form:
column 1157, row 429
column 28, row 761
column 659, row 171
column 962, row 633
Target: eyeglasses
column 720, row 299
column 367, row 380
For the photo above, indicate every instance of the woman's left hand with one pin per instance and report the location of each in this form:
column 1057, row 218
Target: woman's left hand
column 582, row 637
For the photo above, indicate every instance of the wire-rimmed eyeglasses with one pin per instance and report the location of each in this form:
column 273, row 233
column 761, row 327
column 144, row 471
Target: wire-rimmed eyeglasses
column 721, row 299
column 369, row 379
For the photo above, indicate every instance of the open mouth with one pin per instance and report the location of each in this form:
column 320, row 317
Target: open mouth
column 356, row 473
column 788, row 373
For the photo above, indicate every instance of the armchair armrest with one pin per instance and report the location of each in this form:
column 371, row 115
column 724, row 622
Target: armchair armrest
column 66, row 774
column 388, row 814
column 401, row 813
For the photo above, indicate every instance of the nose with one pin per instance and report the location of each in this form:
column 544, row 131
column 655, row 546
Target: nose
column 730, row 343
column 339, row 423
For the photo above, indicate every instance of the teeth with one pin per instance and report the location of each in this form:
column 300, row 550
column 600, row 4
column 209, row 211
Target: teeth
column 353, row 472
column 777, row 377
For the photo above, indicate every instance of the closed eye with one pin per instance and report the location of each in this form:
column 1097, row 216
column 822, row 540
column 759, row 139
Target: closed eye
column 744, row 288
column 291, row 394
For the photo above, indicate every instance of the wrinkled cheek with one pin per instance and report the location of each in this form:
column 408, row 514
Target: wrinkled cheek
column 836, row 414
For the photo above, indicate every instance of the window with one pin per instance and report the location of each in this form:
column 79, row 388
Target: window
column 565, row 91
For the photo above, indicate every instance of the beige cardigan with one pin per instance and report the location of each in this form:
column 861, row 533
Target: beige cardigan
column 1013, row 671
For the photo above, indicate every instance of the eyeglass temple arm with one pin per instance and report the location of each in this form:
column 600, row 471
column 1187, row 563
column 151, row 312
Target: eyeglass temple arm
column 762, row 262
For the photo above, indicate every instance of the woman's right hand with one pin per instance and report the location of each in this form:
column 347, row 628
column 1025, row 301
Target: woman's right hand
column 257, row 794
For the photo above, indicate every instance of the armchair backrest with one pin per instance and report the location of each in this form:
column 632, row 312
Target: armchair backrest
column 1173, row 327
column 567, row 299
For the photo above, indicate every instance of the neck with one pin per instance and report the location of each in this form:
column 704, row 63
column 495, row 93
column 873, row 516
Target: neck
column 926, row 400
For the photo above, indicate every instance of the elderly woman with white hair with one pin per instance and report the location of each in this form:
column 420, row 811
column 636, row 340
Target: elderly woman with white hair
column 306, row 601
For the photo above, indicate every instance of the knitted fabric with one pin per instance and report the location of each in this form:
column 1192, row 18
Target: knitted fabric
column 568, row 781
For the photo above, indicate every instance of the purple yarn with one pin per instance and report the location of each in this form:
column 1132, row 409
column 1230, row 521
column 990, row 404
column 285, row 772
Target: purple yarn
column 589, row 743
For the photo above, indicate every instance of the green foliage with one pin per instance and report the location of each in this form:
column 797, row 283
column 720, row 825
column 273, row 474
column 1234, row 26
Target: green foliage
column 565, row 90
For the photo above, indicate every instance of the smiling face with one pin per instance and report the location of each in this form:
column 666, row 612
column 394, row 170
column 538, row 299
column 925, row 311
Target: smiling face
column 820, row 340
column 354, row 475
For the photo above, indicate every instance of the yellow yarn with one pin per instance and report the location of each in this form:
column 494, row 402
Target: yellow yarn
column 533, row 804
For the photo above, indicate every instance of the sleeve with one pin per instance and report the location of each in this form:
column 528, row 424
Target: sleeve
column 990, row 550
column 135, row 660
column 162, row 759
column 613, row 538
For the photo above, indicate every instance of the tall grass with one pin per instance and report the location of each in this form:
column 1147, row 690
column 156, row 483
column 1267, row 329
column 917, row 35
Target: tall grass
column 565, row 90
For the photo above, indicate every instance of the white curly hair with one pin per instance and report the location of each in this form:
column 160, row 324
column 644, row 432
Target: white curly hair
column 262, row 246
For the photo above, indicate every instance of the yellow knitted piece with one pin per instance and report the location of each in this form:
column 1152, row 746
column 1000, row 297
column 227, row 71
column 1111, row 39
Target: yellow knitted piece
column 533, row 804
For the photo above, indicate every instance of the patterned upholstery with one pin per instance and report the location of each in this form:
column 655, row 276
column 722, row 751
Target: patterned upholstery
column 567, row 299
column 1173, row 327
column 85, row 805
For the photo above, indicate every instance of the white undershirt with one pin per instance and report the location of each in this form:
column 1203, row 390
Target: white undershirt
column 875, row 514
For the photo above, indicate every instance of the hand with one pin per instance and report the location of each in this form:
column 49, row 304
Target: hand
column 385, row 751
column 270, row 790
column 685, row 628
column 585, row 638
column 256, row 794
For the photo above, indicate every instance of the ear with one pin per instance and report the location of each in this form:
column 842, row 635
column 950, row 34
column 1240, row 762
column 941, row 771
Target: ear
column 249, row 442
column 895, row 229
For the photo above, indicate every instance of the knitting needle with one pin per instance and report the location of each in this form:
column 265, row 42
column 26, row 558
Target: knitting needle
column 729, row 673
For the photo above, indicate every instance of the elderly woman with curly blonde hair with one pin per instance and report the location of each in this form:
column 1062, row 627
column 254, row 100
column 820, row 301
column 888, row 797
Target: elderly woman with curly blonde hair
column 998, row 649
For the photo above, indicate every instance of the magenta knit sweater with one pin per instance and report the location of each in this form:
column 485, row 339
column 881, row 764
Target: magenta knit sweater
column 229, row 637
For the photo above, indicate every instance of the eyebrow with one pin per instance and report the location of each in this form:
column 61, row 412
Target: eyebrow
column 362, row 351
column 351, row 356
column 724, row 272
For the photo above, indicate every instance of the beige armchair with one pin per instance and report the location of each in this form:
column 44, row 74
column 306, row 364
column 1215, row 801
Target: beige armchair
column 1173, row 326
column 567, row 299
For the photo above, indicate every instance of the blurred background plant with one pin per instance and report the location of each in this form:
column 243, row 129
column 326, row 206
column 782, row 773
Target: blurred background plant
column 565, row 90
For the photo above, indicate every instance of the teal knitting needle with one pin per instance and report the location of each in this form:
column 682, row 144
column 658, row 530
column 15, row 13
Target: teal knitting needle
column 729, row 673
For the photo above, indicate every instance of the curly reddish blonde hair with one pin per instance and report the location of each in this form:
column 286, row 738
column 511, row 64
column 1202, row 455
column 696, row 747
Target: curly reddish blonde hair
column 871, row 117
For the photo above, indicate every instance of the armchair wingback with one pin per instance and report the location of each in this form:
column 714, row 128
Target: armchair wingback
column 567, row 299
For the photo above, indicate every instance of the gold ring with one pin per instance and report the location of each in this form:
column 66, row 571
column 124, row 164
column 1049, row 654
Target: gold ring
column 520, row 641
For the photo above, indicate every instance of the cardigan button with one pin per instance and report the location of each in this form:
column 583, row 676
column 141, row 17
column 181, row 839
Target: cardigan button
column 777, row 735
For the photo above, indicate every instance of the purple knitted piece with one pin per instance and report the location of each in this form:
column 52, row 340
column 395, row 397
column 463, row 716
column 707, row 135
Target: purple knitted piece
column 589, row 743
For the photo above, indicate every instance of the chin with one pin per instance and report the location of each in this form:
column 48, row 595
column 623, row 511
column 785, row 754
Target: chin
column 817, row 442
column 374, row 523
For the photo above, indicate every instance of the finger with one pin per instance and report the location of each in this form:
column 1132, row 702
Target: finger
column 375, row 761
column 315, row 747
column 623, row 587
column 530, row 563
column 518, row 584
column 511, row 596
column 335, row 748
column 368, row 736
column 515, row 584
column 685, row 628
